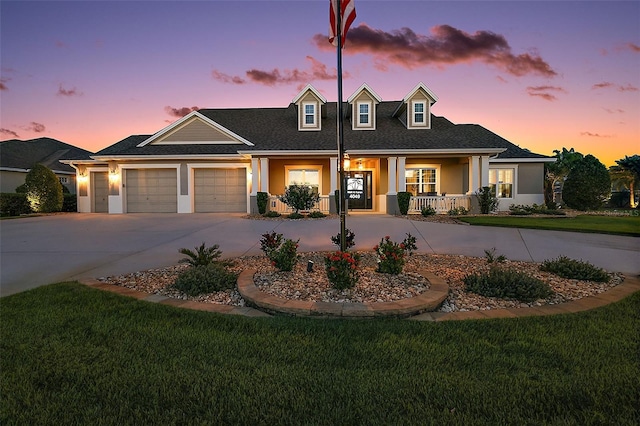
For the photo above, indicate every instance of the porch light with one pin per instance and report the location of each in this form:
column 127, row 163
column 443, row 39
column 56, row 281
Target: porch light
column 114, row 175
column 82, row 177
column 346, row 162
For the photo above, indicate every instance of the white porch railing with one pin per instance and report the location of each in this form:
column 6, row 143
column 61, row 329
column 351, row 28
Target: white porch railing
column 280, row 207
column 441, row 204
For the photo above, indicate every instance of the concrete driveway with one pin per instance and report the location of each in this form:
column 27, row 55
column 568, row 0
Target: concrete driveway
column 48, row 249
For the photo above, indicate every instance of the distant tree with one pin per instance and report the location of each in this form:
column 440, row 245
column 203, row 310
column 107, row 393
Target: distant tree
column 556, row 173
column 627, row 174
column 587, row 185
column 43, row 189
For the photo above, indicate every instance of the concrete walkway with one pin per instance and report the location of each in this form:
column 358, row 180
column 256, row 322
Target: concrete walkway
column 41, row 250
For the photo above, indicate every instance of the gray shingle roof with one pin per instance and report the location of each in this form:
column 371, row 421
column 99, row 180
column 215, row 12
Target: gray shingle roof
column 275, row 129
column 19, row 154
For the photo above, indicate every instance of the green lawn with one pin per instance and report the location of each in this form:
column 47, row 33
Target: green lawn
column 75, row 355
column 620, row 225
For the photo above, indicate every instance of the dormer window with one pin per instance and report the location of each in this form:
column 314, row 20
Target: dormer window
column 418, row 117
column 309, row 114
column 364, row 113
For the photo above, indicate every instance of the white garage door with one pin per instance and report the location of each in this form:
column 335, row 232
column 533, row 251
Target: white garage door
column 151, row 190
column 220, row 190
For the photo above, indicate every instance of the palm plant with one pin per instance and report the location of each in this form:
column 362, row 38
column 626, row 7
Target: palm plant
column 202, row 256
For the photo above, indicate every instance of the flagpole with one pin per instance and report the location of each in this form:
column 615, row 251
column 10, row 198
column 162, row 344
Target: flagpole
column 340, row 135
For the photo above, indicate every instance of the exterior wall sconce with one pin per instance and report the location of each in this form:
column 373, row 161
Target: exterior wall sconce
column 114, row 175
column 346, row 161
column 82, row 177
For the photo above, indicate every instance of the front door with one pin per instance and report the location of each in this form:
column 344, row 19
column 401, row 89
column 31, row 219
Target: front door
column 359, row 190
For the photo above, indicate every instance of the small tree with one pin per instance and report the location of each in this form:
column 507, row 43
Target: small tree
column 404, row 198
column 43, row 189
column 299, row 197
column 588, row 184
column 262, row 199
column 487, row 200
column 627, row 172
column 556, row 173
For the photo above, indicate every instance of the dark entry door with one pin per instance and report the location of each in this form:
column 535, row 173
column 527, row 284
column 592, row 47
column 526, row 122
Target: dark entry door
column 359, row 192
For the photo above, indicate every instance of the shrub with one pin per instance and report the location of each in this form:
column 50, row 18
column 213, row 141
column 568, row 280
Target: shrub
column 403, row 202
column 428, row 211
column 14, row 204
column 299, row 197
column 491, row 256
column 205, row 279
column 202, row 256
column 588, row 184
column 458, row 211
column 280, row 251
column 391, row 254
column 317, row 214
column 349, row 238
column 295, row 215
column 507, row 284
column 43, row 189
column 272, row 213
column 487, row 200
column 69, row 203
column 525, row 210
column 262, row 198
column 574, row 269
column 342, row 269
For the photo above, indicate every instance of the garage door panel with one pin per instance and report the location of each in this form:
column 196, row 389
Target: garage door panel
column 151, row 190
column 220, row 190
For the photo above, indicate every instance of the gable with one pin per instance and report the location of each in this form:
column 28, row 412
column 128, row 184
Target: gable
column 195, row 129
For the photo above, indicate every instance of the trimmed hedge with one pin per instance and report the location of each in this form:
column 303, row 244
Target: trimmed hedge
column 14, row 204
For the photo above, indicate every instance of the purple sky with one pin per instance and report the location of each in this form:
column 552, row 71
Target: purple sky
column 544, row 75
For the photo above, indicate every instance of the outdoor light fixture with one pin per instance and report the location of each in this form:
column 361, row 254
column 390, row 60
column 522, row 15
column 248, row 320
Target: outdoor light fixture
column 113, row 175
column 82, row 177
column 346, row 161
column 310, row 266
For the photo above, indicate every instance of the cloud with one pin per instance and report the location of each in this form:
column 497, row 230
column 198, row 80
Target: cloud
column 543, row 92
column 316, row 71
column 445, row 46
column 633, row 47
column 34, row 127
column 68, row 92
column 618, row 87
column 614, row 111
column 8, row 132
column 3, row 80
column 594, row 135
column 180, row 112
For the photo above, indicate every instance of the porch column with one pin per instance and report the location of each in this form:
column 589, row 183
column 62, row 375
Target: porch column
column 264, row 175
column 254, row 176
column 484, row 176
column 474, row 173
column 333, row 173
column 392, row 195
column 402, row 182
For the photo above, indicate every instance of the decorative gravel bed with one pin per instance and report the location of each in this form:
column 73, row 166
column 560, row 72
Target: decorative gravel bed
column 372, row 287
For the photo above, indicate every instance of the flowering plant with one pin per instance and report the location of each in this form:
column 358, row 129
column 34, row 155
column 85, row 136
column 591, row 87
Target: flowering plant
column 282, row 252
column 342, row 269
column 391, row 254
column 349, row 238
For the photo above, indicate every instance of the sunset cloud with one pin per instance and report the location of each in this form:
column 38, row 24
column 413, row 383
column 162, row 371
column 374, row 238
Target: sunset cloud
column 633, row 47
column 316, row 71
column 35, row 127
column 68, row 92
column 180, row 112
column 545, row 92
column 3, row 86
column 445, row 45
column 614, row 111
column 594, row 135
column 618, row 87
column 8, row 132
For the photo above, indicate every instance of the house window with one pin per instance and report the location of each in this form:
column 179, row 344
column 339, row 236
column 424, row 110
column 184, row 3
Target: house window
column 309, row 114
column 63, row 179
column 501, row 182
column 418, row 114
column 304, row 176
column 363, row 113
column 421, row 181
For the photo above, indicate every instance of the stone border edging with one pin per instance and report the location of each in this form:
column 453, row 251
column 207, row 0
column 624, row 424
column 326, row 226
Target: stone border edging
column 430, row 300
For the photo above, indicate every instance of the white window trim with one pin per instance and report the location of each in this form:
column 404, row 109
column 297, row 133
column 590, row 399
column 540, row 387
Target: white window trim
column 513, row 167
column 317, row 167
column 424, row 166
column 303, row 122
column 425, row 112
column 370, row 115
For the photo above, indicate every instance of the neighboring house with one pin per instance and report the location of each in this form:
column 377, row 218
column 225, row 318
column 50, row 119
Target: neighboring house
column 17, row 157
column 217, row 160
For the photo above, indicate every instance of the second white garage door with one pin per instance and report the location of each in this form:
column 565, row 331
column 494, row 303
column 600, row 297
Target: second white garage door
column 151, row 190
column 220, row 190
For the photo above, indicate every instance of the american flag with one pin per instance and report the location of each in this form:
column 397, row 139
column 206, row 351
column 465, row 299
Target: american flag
column 347, row 16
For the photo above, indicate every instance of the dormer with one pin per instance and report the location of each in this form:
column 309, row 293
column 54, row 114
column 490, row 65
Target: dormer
column 415, row 109
column 363, row 104
column 309, row 104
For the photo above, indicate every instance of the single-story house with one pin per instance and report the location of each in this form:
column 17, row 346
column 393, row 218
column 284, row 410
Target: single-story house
column 217, row 160
column 17, row 157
